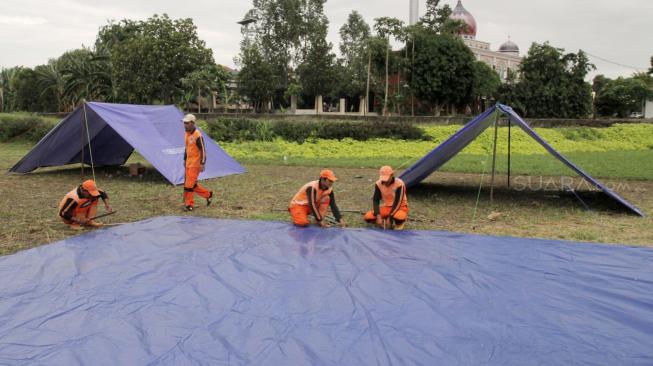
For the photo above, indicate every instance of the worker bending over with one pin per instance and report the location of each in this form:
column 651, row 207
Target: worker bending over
column 313, row 199
column 79, row 206
column 390, row 203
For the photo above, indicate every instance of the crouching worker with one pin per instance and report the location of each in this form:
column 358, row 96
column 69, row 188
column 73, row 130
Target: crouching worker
column 79, row 206
column 390, row 204
column 313, row 199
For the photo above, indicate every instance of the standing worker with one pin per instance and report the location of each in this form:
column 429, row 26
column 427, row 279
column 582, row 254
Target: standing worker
column 314, row 198
column 79, row 206
column 390, row 192
column 194, row 161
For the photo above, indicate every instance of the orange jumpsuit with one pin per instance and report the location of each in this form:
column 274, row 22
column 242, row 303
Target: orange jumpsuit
column 194, row 158
column 394, row 202
column 73, row 206
column 310, row 199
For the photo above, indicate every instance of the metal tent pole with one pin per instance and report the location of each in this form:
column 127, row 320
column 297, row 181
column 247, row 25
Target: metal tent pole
column 494, row 154
column 509, row 124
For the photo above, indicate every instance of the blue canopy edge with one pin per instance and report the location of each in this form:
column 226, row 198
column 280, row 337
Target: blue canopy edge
column 115, row 130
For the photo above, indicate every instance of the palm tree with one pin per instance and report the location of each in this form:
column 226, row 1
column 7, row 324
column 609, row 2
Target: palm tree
column 7, row 81
column 50, row 78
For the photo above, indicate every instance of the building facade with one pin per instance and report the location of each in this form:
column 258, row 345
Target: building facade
column 504, row 60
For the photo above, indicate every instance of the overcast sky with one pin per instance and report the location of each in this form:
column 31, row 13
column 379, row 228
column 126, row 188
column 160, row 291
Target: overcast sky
column 32, row 31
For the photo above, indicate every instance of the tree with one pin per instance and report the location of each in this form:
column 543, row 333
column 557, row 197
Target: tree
column 209, row 79
column 552, row 83
column 385, row 28
column 486, row 83
column 51, row 79
column 87, row 76
column 599, row 82
column 7, row 88
column 286, row 33
column 443, row 70
column 317, row 72
column 317, row 68
column 353, row 48
column 437, row 19
column 509, row 93
column 621, row 96
column 256, row 77
column 149, row 58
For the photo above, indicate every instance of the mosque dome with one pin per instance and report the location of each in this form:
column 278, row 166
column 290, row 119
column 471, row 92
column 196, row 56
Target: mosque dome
column 460, row 13
column 509, row 47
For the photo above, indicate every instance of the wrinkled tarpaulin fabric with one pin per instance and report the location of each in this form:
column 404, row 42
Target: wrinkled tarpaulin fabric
column 115, row 130
column 181, row 290
column 458, row 141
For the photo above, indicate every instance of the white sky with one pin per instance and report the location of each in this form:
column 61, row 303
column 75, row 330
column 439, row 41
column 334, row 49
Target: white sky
column 32, row 31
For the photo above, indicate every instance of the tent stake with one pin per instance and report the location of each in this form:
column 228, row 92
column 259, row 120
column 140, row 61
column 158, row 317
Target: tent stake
column 494, row 155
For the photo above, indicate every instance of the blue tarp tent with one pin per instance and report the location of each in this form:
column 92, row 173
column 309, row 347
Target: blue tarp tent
column 114, row 131
column 193, row 291
column 458, row 141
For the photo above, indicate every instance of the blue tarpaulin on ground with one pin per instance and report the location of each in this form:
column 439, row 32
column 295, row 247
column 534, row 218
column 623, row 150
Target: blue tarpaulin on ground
column 182, row 290
column 107, row 134
column 444, row 152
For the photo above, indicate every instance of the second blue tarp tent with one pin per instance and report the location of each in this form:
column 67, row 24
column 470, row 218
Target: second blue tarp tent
column 458, row 141
column 106, row 134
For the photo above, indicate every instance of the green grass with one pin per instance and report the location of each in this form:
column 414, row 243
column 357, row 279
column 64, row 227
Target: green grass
column 28, row 214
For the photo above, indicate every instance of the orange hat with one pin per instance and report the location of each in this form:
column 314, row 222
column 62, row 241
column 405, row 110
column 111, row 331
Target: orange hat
column 328, row 174
column 89, row 185
column 385, row 173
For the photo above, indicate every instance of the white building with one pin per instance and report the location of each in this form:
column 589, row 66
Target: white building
column 505, row 59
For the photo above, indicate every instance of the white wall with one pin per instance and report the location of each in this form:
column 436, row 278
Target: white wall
column 648, row 109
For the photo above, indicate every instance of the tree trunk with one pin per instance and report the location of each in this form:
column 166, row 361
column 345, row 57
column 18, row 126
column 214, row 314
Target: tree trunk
column 387, row 78
column 2, row 101
column 437, row 108
column 199, row 101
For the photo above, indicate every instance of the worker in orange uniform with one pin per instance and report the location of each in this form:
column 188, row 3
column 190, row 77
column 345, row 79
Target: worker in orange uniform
column 390, row 204
column 194, row 161
column 79, row 206
column 313, row 199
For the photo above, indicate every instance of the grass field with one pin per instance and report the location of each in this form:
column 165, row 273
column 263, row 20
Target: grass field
column 534, row 207
column 621, row 151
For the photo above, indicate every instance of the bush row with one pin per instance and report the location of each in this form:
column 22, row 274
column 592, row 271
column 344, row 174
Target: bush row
column 243, row 129
column 23, row 127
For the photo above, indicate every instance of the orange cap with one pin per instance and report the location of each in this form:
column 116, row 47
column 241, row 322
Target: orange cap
column 89, row 185
column 385, row 173
column 328, row 174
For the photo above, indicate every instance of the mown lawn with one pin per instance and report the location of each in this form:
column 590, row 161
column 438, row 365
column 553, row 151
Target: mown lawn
column 535, row 206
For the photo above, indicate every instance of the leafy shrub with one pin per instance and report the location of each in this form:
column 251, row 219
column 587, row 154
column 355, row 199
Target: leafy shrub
column 294, row 131
column 23, row 128
column 581, row 133
column 242, row 129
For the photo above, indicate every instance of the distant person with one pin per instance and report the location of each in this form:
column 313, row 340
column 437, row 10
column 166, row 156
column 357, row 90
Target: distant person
column 79, row 206
column 313, row 199
column 389, row 203
column 194, row 162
